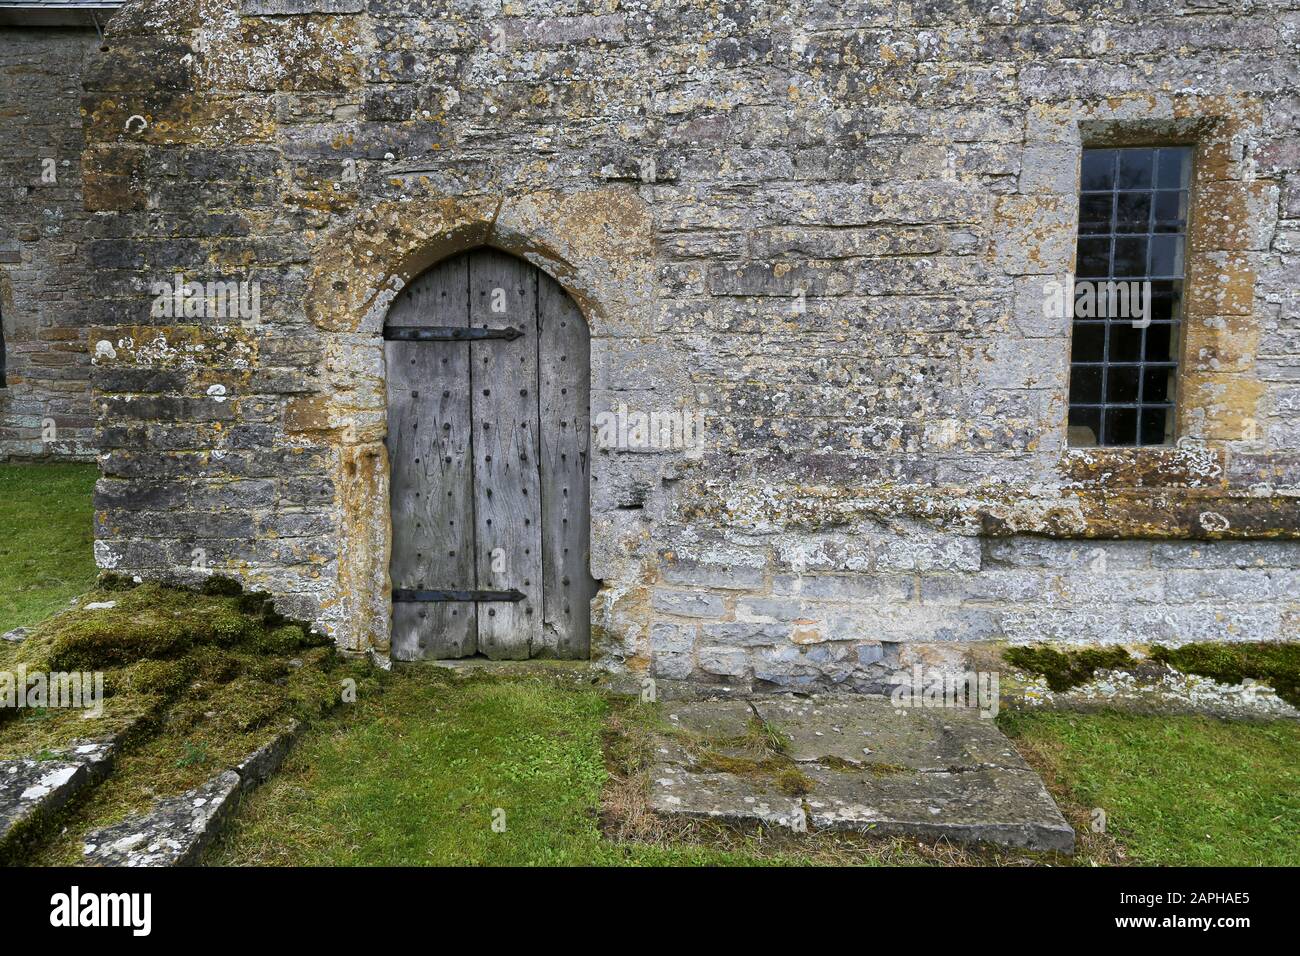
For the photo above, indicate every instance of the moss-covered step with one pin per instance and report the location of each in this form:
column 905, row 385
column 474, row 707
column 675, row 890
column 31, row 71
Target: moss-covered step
column 205, row 678
column 172, row 834
column 1245, row 680
column 32, row 789
column 177, row 830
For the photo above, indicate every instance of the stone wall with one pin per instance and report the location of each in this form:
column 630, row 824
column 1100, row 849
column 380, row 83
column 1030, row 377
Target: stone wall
column 826, row 228
column 44, row 233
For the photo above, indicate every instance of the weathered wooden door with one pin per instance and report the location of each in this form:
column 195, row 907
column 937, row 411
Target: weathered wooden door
column 488, row 434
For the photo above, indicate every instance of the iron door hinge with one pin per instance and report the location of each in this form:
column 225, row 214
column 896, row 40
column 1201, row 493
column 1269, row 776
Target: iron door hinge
column 410, row 595
column 446, row 333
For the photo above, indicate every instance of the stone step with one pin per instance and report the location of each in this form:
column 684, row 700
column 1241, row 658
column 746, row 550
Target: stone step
column 177, row 829
column 855, row 763
column 32, row 788
column 173, row 833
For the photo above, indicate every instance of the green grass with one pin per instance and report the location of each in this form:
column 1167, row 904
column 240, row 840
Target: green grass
column 413, row 772
column 418, row 774
column 1182, row 791
column 412, row 775
column 46, row 539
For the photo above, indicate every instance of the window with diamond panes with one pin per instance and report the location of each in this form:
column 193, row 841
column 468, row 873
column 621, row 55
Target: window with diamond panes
column 1133, row 206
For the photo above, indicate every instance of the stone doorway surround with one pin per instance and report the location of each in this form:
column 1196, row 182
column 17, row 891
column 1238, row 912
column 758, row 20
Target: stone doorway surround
column 599, row 245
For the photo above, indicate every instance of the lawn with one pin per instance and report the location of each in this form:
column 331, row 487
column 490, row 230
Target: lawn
column 415, row 773
column 419, row 771
column 46, row 538
column 440, row 770
column 1180, row 791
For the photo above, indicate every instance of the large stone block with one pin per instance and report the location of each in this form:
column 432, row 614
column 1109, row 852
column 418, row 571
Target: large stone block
column 873, row 588
column 688, row 604
column 926, row 551
column 725, row 569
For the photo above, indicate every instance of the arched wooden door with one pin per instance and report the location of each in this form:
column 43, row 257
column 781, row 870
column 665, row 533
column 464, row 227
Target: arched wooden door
column 488, row 385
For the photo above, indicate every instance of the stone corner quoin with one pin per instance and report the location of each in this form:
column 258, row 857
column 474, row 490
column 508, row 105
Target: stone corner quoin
column 828, row 408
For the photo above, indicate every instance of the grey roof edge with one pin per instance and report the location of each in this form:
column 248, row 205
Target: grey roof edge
column 60, row 4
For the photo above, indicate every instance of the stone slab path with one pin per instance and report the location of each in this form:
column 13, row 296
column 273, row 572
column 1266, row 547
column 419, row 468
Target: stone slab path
column 853, row 763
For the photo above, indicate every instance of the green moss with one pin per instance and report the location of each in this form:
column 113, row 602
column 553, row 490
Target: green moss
column 764, row 764
column 148, row 622
column 244, row 704
column 285, row 639
column 220, row 586
column 794, row 782
column 216, row 665
column 840, row 764
column 850, row 766
column 1276, row 664
column 713, row 762
column 1066, row 669
column 316, row 686
column 886, row 769
column 163, row 677
column 201, row 680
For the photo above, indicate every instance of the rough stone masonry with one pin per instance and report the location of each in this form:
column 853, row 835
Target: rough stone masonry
column 825, row 226
column 45, row 407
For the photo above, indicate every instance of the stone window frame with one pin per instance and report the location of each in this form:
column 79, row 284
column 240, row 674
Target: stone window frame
column 1230, row 218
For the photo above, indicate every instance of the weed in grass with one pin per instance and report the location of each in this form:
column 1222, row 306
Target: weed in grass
column 194, row 755
column 794, row 782
column 771, row 737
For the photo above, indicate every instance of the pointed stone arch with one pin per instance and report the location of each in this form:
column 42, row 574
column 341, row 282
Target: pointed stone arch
column 597, row 245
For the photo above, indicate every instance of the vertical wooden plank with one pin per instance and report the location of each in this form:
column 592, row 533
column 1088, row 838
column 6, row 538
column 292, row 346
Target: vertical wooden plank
column 564, row 390
column 507, row 500
column 429, row 440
